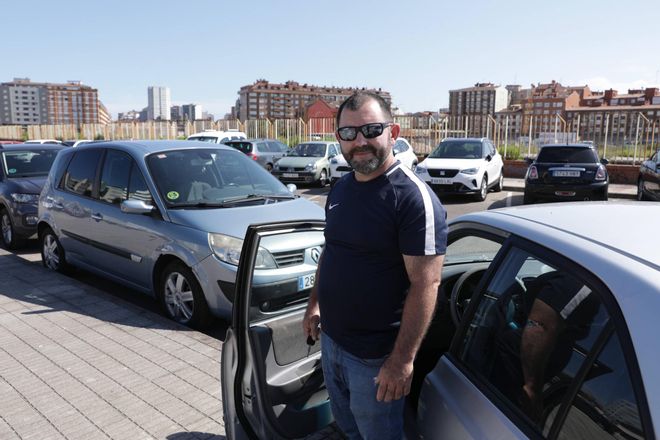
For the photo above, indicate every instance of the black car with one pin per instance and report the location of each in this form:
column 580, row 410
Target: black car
column 23, row 172
column 648, row 182
column 566, row 172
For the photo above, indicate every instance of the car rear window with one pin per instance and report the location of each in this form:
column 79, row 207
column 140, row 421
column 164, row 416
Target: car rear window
column 245, row 147
column 567, row 155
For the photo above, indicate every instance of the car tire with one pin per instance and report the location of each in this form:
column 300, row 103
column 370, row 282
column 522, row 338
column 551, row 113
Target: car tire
column 52, row 252
column 181, row 297
column 483, row 189
column 323, row 180
column 500, row 182
column 269, row 167
column 640, row 190
column 7, row 232
column 528, row 199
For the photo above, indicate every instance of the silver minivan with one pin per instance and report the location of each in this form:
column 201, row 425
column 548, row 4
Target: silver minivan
column 266, row 152
column 169, row 218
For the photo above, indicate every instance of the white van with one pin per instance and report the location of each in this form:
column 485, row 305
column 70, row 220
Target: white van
column 217, row 137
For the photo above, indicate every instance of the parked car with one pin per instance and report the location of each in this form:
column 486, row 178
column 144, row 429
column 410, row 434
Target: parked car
column 168, row 218
column 402, row 151
column 43, row 141
column 648, row 182
column 463, row 166
column 23, row 171
column 217, row 137
column 264, row 151
column 566, row 172
column 76, row 142
column 308, row 162
column 593, row 371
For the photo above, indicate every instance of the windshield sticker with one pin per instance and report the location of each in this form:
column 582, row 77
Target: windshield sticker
column 11, row 170
column 162, row 156
column 172, row 195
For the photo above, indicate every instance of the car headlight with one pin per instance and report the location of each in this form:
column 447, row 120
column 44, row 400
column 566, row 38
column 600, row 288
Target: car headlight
column 310, row 166
column 25, row 198
column 420, row 170
column 470, row 171
column 228, row 249
column 276, row 166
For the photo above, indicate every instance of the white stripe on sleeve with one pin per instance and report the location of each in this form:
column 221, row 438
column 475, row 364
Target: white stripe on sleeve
column 575, row 302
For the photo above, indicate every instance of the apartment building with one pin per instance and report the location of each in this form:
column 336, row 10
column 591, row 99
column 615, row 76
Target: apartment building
column 482, row 99
column 289, row 100
column 23, row 102
column 545, row 109
column 158, row 103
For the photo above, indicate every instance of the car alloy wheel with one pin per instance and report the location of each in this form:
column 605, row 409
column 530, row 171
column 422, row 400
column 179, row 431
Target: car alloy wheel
column 500, row 182
column 9, row 238
column 323, row 180
column 181, row 296
column 483, row 189
column 640, row 190
column 52, row 253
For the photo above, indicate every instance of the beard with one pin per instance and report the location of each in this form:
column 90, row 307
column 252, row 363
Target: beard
column 367, row 166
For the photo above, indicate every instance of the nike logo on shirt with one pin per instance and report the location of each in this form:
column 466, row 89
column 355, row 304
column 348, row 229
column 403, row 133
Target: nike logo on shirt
column 332, row 206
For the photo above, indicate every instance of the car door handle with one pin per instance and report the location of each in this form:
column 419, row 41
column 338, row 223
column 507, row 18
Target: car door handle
column 98, row 217
column 52, row 203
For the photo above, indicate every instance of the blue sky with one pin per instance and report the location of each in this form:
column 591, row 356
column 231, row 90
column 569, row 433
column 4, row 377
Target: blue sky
column 418, row 50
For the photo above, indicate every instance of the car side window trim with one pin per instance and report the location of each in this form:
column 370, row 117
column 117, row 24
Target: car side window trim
column 616, row 322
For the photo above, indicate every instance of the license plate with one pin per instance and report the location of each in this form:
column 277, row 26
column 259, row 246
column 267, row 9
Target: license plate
column 441, row 181
column 566, row 173
column 565, row 193
column 306, row 281
column 290, row 174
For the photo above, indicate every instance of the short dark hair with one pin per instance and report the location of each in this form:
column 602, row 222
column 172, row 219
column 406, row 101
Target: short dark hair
column 358, row 99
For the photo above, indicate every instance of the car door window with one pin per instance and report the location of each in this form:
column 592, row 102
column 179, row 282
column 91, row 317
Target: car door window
column 263, row 147
column 79, row 176
column 114, row 177
column 137, row 186
column 605, row 406
column 532, row 330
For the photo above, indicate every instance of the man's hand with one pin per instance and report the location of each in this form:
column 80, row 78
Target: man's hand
column 393, row 380
column 311, row 323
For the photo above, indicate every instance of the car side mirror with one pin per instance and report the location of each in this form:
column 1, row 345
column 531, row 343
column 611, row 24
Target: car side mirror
column 331, row 156
column 136, row 207
column 604, row 161
column 489, row 158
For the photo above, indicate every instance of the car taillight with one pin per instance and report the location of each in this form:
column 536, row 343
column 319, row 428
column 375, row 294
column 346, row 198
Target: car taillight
column 532, row 174
column 253, row 156
column 601, row 174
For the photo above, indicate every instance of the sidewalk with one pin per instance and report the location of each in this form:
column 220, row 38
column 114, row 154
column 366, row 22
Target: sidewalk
column 77, row 363
column 615, row 190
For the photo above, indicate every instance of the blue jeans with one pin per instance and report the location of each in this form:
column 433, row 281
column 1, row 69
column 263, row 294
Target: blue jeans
column 350, row 383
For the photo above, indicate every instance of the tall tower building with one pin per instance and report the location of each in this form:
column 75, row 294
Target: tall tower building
column 158, row 107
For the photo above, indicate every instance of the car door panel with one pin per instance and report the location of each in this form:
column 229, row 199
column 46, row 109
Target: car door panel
column 271, row 379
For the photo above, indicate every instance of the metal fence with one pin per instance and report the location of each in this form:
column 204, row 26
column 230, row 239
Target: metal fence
column 516, row 138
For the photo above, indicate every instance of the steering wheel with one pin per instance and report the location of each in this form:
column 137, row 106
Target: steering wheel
column 462, row 292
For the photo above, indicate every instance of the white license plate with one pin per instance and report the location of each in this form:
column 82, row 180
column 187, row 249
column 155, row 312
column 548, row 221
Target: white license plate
column 565, row 193
column 290, row 174
column 441, row 181
column 306, row 281
column 566, row 173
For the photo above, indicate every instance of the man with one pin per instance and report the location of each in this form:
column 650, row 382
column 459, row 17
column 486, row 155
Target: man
column 378, row 277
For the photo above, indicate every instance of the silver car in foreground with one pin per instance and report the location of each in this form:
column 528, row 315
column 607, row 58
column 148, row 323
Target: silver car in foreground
column 168, row 217
column 544, row 329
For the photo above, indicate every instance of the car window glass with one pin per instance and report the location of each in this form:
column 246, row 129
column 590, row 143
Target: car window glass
column 567, row 155
column 400, row 147
column 605, row 406
column 264, row 147
column 471, row 249
column 457, row 149
column 137, row 187
column 114, row 177
column 28, row 163
column 79, row 177
column 532, row 330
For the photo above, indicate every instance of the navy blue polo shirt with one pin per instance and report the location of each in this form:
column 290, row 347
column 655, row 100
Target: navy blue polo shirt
column 363, row 280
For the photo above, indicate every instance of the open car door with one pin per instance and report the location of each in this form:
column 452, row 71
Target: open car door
column 272, row 383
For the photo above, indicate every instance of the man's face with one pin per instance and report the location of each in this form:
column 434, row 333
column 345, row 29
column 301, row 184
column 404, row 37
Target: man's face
column 367, row 155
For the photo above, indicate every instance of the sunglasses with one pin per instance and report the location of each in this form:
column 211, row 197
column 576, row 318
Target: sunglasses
column 369, row 131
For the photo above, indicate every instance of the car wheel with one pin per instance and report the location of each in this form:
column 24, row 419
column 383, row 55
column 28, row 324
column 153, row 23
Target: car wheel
column 500, row 182
column 52, row 252
column 181, row 296
column 9, row 238
column 323, row 180
column 414, row 166
column 528, row 200
column 640, row 190
column 483, row 189
column 269, row 167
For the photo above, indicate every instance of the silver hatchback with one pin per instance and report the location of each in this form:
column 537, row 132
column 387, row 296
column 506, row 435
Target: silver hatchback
column 169, row 217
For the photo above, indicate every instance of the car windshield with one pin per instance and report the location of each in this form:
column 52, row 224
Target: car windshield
column 207, row 177
column 28, row 163
column 211, row 139
column 471, row 249
column 567, row 155
column 308, row 150
column 458, row 149
column 245, row 147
